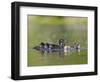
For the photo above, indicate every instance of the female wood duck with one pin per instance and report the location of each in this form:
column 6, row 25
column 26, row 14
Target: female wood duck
column 61, row 43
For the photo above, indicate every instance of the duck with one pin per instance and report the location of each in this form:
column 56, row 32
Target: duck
column 48, row 46
column 57, row 47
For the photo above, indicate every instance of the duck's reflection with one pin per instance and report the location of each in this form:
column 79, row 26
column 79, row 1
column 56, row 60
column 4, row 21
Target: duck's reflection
column 59, row 52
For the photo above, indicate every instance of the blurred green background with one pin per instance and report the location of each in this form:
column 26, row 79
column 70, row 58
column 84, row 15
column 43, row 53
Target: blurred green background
column 51, row 29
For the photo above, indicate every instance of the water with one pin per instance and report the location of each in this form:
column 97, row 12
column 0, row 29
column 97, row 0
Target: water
column 38, row 58
column 51, row 29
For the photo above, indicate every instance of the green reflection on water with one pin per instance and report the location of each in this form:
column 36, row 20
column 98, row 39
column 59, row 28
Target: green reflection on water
column 37, row 58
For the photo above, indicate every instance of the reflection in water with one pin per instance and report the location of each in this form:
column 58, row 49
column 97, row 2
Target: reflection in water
column 61, row 56
column 60, row 52
column 57, row 54
column 58, row 57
